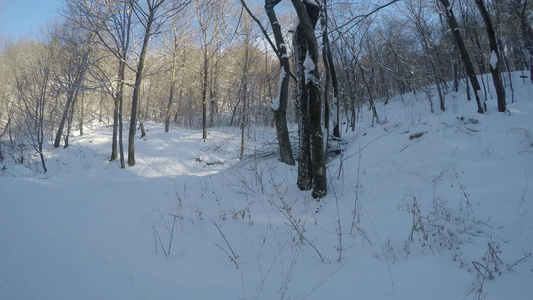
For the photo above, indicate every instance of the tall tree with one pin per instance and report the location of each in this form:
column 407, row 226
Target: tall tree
column 279, row 105
column 151, row 15
column 308, row 14
column 465, row 57
column 179, row 36
column 32, row 71
column 305, row 165
column 495, row 57
column 416, row 12
column 76, row 48
column 246, row 57
column 331, row 74
column 211, row 17
column 111, row 21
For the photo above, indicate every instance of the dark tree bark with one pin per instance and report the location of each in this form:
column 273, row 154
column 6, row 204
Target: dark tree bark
column 494, row 56
column 172, row 88
column 305, row 175
column 120, row 102
column 213, row 92
column 331, row 76
column 148, row 22
column 244, row 93
column 308, row 13
column 81, row 114
column 205, row 81
column 69, row 124
column 114, row 139
column 465, row 57
column 279, row 107
column 61, row 127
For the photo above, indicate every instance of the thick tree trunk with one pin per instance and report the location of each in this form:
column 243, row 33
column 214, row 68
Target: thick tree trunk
column 494, row 57
column 305, row 175
column 308, row 13
column 454, row 26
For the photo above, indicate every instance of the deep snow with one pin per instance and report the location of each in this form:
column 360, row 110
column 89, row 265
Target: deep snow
column 429, row 206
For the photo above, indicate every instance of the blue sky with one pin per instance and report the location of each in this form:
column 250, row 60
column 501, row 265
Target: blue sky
column 22, row 18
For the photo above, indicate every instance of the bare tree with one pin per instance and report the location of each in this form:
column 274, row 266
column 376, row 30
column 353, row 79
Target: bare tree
column 246, row 57
column 331, row 75
column 416, row 11
column 178, row 37
column 32, row 72
column 305, row 165
column 75, row 50
column 111, row 22
column 520, row 8
column 211, row 16
column 279, row 105
column 6, row 111
column 454, row 27
column 495, row 57
column 308, row 14
column 152, row 14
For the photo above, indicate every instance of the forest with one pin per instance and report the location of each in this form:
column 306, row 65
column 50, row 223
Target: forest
column 204, row 64
column 246, row 149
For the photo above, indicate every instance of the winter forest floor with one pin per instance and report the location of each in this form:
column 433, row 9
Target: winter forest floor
column 422, row 206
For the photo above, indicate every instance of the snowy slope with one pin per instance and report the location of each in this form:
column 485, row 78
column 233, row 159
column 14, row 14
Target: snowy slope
column 423, row 206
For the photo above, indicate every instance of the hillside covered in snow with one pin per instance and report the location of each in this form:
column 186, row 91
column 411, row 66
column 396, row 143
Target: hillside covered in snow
column 421, row 206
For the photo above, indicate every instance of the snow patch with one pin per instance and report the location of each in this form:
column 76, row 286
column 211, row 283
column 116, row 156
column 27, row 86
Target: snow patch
column 276, row 103
column 309, row 69
column 493, row 60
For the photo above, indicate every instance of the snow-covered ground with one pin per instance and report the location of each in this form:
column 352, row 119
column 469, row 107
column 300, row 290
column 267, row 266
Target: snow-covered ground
column 424, row 206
